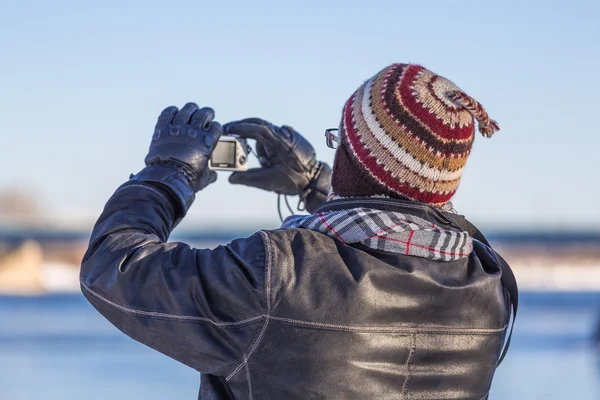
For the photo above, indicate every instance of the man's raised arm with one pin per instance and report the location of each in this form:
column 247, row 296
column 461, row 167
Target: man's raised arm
column 201, row 307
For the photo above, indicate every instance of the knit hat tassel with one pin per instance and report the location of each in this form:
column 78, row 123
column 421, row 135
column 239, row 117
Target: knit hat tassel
column 486, row 126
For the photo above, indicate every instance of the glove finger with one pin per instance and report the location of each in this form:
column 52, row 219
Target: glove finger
column 184, row 115
column 257, row 177
column 254, row 120
column 257, row 121
column 251, row 130
column 216, row 130
column 211, row 139
column 212, row 178
column 165, row 118
column 264, row 155
column 202, row 118
column 267, row 142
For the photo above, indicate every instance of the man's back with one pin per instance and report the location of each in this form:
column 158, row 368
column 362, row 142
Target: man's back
column 354, row 323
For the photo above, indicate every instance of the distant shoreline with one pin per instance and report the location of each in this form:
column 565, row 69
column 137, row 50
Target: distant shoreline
column 39, row 261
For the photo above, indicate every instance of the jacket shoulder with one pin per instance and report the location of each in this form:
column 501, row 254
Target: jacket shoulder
column 249, row 254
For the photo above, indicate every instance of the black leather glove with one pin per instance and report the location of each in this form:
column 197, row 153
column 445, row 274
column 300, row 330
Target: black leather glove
column 182, row 143
column 288, row 162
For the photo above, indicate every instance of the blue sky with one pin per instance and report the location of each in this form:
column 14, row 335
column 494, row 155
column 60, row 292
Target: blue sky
column 81, row 85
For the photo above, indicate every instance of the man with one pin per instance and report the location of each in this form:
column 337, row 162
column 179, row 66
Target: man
column 378, row 294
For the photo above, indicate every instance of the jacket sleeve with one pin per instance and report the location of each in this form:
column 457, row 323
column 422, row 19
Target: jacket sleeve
column 200, row 307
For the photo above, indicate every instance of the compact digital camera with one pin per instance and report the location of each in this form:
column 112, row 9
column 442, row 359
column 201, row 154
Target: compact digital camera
column 230, row 154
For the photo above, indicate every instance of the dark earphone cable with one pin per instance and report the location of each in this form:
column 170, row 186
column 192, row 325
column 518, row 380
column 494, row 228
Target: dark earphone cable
column 279, row 207
column 287, row 203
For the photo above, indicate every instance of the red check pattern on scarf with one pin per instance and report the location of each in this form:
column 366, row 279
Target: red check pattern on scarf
column 388, row 231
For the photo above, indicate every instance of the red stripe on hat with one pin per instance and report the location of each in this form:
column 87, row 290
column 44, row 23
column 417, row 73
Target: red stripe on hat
column 370, row 163
column 422, row 114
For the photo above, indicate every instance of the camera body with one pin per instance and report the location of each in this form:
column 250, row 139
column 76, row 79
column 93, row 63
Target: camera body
column 230, row 154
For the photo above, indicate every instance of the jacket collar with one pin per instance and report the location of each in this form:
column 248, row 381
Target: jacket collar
column 415, row 208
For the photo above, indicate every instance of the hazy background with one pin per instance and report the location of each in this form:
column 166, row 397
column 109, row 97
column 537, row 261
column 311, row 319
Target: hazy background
column 81, row 86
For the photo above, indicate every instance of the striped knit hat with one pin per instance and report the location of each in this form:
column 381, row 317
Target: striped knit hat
column 406, row 133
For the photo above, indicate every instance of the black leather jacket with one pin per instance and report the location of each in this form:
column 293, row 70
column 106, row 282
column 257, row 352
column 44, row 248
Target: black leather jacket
column 295, row 314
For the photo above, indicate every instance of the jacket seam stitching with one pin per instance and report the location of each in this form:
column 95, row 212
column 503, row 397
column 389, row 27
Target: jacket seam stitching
column 409, row 359
column 249, row 381
column 185, row 318
column 382, row 329
column 268, row 252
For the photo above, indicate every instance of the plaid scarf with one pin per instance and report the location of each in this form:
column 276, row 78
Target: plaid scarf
column 388, row 231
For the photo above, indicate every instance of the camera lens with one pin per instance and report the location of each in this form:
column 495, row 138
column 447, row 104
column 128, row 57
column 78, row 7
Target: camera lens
column 242, row 160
